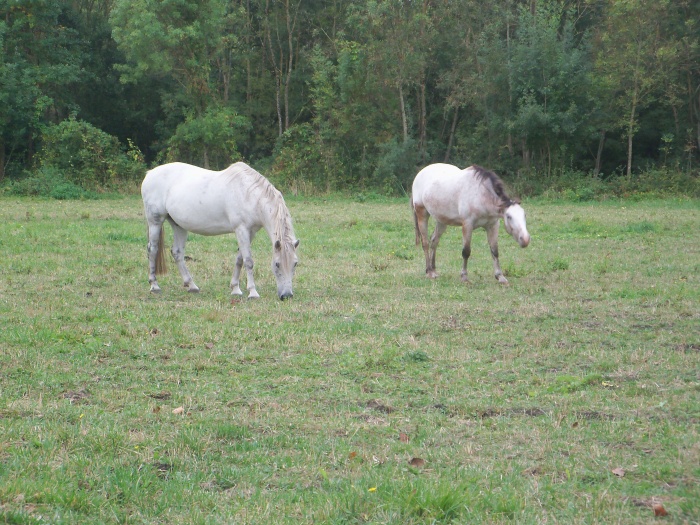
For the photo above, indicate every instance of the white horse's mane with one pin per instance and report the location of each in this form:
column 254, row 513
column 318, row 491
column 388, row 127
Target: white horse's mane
column 281, row 217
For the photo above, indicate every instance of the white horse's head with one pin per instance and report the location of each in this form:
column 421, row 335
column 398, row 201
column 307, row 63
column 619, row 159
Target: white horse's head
column 514, row 221
column 284, row 262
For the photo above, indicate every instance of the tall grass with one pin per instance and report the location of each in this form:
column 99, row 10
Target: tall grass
column 375, row 395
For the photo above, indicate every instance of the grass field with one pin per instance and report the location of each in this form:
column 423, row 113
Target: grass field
column 375, row 395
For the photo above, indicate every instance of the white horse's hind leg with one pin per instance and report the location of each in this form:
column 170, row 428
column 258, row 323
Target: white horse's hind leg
column 492, row 236
column 154, row 234
column 244, row 254
column 178, row 251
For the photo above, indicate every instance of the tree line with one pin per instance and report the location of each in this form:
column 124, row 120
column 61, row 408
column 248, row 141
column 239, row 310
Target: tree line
column 333, row 94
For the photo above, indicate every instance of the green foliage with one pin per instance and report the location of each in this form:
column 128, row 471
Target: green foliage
column 208, row 140
column 396, row 166
column 47, row 182
column 358, row 95
column 299, row 162
column 89, row 157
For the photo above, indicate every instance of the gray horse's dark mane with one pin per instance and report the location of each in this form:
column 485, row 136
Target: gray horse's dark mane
column 488, row 176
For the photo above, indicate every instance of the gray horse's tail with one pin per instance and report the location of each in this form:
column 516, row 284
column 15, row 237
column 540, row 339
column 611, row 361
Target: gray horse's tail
column 415, row 222
column 160, row 256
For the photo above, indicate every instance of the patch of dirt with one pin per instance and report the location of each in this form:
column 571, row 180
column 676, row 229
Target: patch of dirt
column 160, row 395
column 687, row 348
column 79, row 396
column 593, row 415
column 377, row 405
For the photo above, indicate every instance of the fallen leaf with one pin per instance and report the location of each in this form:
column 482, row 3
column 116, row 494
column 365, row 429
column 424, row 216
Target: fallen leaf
column 574, row 424
column 352, row 455
column 659, row 509
column 209, row 345
column 372, row 489
column 417, row 462
column 156, row 409
column 403, row 437
column 619, row 472
column 179, row 410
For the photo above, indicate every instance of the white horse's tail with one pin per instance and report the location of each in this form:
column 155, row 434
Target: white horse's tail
column 161, row 268
column 415, row 222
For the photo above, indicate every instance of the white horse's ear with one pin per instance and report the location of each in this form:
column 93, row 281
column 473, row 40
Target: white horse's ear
column 278, row 245
column 296, row 244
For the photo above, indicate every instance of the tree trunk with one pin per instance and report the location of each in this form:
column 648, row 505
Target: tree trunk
column 290, row 63
column 277, row 70
column 2, row 160
column 599, row 155
column 452, row 134
column 630, row 134
column 423, row 122
column 404, row 120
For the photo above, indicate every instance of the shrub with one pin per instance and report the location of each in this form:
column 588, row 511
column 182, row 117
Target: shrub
column 48, row 182
column 396, row 167
column 88, row 157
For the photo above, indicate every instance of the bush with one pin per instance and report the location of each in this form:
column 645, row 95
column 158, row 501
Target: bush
column 396, row 167
column 88, row 157
column 48, row 182
column 299, row 163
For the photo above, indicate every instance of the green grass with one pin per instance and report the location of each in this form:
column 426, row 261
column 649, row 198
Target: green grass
column 521, row 400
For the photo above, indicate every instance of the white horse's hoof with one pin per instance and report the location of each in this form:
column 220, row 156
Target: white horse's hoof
column 502, row 279
column 155, row 288
column 431, row 274
column 192, row 288
column 253, row 295
column 465, row 279
column 236, row 291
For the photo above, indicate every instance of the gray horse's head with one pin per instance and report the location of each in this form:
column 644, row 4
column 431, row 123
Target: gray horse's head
column 514, row 221
column 284, row 262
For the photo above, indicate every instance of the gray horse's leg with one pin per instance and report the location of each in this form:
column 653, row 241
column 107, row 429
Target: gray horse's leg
column 467, row 230
column 434, row 241
column 245, row 257
column 155, row 242
column 178, row 251
column 422, row 217
column 492, row 236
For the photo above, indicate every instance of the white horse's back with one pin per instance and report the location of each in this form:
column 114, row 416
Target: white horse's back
column 199, row 200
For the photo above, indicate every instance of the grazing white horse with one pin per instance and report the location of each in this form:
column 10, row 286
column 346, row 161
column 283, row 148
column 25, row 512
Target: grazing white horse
column 236, row 200
column 470, row 198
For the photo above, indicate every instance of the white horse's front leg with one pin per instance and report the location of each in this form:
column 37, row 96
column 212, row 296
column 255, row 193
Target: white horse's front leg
column 244, row 254
column 492, row 236
column 236, row 279
column 178, row 251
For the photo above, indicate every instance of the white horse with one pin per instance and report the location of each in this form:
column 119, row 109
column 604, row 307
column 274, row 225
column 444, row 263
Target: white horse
column 470, row 198
column 237, row 199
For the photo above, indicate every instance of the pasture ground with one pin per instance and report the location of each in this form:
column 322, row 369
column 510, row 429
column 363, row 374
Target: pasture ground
column 375, row 395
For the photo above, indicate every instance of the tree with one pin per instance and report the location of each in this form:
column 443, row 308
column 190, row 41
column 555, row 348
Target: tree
column 630, row 59
column 40, row 60
column 182, row 41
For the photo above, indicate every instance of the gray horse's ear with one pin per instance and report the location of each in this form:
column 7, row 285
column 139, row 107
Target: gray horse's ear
column 278, row 245
column 296, row 244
